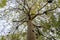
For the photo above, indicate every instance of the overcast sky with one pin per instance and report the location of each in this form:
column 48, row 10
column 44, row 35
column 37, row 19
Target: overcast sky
column 4, row 25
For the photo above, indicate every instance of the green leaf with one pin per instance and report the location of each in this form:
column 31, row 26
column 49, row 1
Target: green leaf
column 3, row 38
column 58, row 1
column 3, row 3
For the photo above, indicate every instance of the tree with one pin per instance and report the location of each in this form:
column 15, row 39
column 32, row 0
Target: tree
column 30, row 11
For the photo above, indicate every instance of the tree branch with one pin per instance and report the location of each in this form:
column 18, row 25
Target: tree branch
column 39, row 10
column 44, row 12
column 42, row 7
column 22, row 5
column 22, row 20
column 17, row 27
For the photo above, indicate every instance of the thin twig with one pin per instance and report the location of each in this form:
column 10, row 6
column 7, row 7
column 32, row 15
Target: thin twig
column 20, row 20
column 45, row 12
column 17, row 27
column 36, row 16
column 22, row 5
column 42, row 7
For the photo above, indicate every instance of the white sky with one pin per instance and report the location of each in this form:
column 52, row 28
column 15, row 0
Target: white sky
column 4, row 25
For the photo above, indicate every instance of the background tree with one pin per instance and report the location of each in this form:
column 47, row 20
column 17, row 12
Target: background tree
column 39, row 16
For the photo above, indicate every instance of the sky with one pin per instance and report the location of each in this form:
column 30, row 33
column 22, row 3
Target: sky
column 5, row 21
column 4, row 25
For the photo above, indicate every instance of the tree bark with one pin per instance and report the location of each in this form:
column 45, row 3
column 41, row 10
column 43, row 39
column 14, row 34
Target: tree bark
column 30, row 33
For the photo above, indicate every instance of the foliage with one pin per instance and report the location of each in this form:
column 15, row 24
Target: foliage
column 3, row 38
column 3, row 3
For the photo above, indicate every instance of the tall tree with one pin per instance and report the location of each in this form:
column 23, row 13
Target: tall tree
column 31, row 10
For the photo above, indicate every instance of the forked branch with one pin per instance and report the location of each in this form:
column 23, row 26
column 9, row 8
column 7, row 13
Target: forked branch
column 45, row 12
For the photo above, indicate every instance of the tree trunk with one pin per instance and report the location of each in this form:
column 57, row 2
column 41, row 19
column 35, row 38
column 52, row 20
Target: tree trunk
column 30, row 33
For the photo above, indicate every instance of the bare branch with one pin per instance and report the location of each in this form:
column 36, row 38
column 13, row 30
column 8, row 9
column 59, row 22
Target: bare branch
column 44, row 12
column 18, row 8
column 22, row 20
column 32, row 5
column 19, row 21
column 22, row 5
column 36, row 16
column 39, row 10
column 42, row 7
column 17, row 27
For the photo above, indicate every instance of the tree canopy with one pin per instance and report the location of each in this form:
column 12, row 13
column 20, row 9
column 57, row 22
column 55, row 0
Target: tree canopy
column 32, row 19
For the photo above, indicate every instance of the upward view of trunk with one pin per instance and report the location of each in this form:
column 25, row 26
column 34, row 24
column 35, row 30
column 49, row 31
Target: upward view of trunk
column 30, row 33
